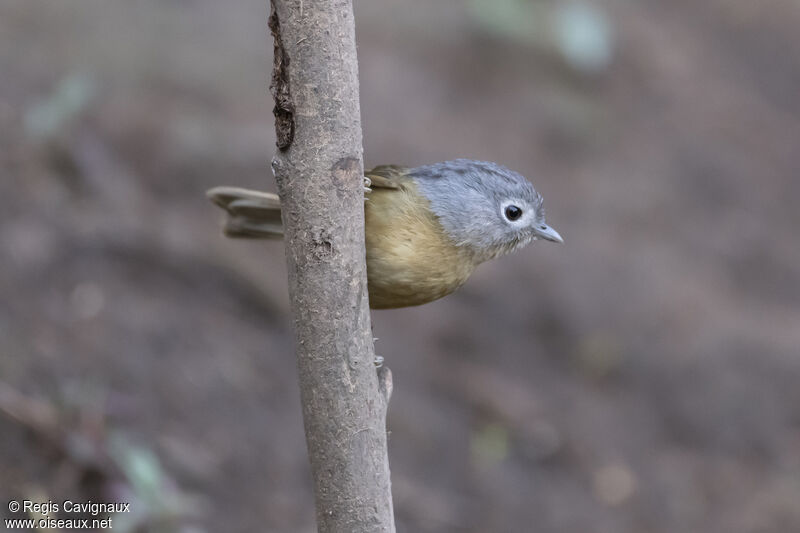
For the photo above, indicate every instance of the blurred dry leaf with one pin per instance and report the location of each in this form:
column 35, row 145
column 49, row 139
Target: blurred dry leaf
column 614, row 484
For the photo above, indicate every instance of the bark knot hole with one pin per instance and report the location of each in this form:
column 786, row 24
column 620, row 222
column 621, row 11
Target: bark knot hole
column 322, row 244
column 345, row 169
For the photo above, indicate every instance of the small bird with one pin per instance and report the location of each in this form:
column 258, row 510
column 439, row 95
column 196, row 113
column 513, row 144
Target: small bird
column 427, row 228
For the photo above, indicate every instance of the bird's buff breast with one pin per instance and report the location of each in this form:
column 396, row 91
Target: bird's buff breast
column 410, row 260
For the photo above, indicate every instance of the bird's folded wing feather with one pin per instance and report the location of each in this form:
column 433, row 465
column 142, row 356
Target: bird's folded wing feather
column 387, row 176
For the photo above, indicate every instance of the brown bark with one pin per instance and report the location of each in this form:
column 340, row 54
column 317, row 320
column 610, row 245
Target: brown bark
column 319, row 171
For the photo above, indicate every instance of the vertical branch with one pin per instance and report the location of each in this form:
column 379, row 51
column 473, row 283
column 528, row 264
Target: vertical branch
column 319, row 171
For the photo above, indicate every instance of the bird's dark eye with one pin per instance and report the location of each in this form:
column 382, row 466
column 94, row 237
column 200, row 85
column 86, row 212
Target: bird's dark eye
column 513, row 212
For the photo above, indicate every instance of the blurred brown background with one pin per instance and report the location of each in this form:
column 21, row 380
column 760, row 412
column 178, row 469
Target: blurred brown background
column 643, row 377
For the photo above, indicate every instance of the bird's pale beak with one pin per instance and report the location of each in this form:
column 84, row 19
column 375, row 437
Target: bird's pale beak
column 543, row 231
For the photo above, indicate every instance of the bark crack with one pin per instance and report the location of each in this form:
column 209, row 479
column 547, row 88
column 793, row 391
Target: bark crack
column 279, row 86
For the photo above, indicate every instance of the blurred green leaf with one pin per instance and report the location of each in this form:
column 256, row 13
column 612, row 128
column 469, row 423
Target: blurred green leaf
column 490, row 444
column 583, row 36
column 578, row 31
column 69, row 98
column 518, row 19
column 141, row 467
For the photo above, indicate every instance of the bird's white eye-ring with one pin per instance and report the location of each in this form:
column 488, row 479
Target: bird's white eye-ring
column 515, row 211
column 512, row 212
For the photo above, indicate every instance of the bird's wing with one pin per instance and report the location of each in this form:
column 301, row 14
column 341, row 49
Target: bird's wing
column 387, row 176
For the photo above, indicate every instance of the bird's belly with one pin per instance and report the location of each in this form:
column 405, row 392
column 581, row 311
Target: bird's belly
column 410, row 261
column 397, row 284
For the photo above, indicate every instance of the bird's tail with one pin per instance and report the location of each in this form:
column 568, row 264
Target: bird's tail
column 251, row 214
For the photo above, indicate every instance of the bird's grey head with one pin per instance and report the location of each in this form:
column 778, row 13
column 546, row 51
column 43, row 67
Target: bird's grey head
column 484, row 206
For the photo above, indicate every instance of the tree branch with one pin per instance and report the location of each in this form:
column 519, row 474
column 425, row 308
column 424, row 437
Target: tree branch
column 319, row 171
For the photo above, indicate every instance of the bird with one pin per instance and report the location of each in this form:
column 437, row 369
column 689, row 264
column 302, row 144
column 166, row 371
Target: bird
column 426, row 228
